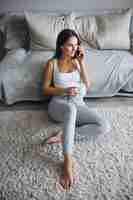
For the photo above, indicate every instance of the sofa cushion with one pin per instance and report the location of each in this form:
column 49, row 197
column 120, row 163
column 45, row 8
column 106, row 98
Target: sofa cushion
column 44, row 30
column 2, row 37
column 17, row 33
column 131, row 42
column 25, row 80
column 131, row 25
column 69, row 20
column 109, row 71
column 86, row 27
column 1, row 55
column 113, row 31
column 11, row 60
column 2, row 45
column 131, row 34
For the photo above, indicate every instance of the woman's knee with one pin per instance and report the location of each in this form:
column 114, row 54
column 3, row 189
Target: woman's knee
column 105, row 126
column 70, row 109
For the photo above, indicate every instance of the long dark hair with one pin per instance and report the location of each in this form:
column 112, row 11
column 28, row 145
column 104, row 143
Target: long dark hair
column 62, row 37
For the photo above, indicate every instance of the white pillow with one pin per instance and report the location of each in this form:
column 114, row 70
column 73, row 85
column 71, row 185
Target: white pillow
column 86, row 27
column 113, row 31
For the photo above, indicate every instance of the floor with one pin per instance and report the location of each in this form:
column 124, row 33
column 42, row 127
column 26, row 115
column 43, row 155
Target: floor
column 108, row 101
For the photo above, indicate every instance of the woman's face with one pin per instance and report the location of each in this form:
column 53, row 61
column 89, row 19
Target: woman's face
column 70, row 46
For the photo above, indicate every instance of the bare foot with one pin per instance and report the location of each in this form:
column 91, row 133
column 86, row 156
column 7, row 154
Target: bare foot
column 68, row 178
column 56, row 138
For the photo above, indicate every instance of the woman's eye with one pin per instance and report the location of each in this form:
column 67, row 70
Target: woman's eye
column 74, row 46
column 71, row 46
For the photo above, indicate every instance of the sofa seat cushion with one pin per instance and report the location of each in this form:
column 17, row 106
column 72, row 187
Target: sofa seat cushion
column 109, row 71
column 24, row 81
column 11, row 60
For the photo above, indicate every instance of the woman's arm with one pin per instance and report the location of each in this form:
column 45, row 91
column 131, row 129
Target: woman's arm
column 84, row 74
column 83, row 71
column 48, row 89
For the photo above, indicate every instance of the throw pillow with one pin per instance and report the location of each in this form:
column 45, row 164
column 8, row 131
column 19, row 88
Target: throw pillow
column 2, row 45
column 1, row 56
column 131, row 25
column 69, row 21
column 131, row 43
column 44, row 30
column 17, row 34
column 113, row 31
column 86, row 27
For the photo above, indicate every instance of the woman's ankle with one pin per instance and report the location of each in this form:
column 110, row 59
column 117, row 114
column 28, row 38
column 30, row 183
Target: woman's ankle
column 68, row 157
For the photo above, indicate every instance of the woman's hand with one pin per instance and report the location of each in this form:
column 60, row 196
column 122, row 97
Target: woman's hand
column 72, row 91
column 81, row 54
column 88, row 85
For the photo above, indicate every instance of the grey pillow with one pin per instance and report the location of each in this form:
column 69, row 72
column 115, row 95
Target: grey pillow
column 2, row 36
column 44, row 30
column 2, row 45
column 86, row 27
column 17, row 33
column 113, row 31
column 25, row 80
column 131, row 25
column 131, row 43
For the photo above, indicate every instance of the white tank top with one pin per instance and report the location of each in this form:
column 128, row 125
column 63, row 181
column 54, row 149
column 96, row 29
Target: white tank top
column 66, row 79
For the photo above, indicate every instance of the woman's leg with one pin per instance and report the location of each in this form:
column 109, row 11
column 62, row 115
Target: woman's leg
column 65, row 111
column 90, row 122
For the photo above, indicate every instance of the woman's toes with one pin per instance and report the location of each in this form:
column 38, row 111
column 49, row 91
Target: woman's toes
column 55, row 138
column 62, row 182
column 65, row 183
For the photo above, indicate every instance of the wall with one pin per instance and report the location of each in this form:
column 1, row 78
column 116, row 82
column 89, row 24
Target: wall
column 20, row 5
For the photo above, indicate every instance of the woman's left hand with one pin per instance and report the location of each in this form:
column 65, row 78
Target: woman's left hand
column 88, row 85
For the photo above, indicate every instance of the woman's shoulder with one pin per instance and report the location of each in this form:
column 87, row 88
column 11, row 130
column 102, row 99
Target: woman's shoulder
column 50, row 62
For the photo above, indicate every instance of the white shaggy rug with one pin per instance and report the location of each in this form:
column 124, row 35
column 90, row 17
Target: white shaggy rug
column 30, row 171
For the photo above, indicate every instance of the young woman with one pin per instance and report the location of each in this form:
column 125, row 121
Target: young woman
column 65, row 79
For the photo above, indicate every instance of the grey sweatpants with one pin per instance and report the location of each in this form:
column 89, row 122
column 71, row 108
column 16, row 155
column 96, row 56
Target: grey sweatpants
column 74, row 112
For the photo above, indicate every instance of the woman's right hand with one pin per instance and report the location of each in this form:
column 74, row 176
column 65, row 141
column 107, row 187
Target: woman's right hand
column 72, row 91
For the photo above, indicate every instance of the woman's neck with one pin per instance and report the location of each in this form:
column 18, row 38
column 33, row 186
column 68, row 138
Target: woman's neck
column 65, row 60
column 65, row 64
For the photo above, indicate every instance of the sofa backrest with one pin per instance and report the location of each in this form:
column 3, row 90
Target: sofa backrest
column 15, row 27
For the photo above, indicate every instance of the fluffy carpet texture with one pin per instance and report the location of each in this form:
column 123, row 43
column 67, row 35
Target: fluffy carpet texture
column 30, row 169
